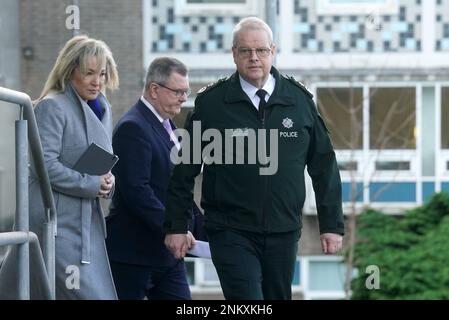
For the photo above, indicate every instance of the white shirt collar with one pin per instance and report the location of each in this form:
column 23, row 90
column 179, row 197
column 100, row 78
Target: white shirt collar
column 251, row 90
column 150, row 106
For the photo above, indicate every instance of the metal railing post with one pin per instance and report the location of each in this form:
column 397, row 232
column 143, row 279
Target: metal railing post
column 22, row 213
column 49, row 252
column 35, row 145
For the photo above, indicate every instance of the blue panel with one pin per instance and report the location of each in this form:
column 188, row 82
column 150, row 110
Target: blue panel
column 162, row 45
column 428, row 188
column 356, row 1
column 387, row 35
column 173, row 28
column 400, row 27
column 222, row 28
column 301, row 28
column 349, row 27
column 346, row 192
column 297, row 276
column 186, row 37
column 336, row 36
column 445, row 44
column 410, row 44
column 392, row 192
column 445, row 187
column 211, row 45
column 312, row 45
column 362, row 44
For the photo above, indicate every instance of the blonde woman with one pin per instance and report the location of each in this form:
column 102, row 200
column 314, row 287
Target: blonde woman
column 71, row 113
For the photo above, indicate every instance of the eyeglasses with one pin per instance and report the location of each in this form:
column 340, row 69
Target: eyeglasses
column 248, row 52
column 179, row 92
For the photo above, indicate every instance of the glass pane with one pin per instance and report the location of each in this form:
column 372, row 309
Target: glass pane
column 326, row 275
column 190, row 267
column 392, row 118
column 297, row 276
column 342, row 110
column 356, row 1
column 444, row 118
column 392, row 165
column 348, row 165
column 216, row 1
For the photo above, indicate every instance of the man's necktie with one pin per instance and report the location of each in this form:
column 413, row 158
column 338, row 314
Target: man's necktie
column 261, row 93
column 168, row 128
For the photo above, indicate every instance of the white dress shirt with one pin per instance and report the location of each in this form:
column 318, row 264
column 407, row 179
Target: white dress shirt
column 158, row 116
column 251, row 90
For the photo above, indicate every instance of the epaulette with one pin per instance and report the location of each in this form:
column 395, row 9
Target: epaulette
column 299, row 85
column 211, row 85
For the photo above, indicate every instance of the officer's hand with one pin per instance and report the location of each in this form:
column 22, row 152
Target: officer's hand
column 331, row 242
column 178, row 244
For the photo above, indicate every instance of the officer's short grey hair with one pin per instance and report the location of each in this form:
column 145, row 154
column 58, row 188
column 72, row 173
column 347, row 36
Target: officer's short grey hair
column 251, row 24
column 161, row 69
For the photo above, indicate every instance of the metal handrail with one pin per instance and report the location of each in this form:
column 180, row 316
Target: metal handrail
column 29, row 125
column 21, row 237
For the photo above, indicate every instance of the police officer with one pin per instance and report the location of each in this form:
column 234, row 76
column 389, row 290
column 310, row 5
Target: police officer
column 253, row 207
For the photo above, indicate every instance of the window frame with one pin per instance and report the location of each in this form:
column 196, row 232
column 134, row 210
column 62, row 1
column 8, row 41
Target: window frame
column 183, row 8
column 305, row 278
column 442, row 155
column 201, row 285
column 326, row 7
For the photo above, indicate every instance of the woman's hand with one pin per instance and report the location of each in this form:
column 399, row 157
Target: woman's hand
column 107, row 182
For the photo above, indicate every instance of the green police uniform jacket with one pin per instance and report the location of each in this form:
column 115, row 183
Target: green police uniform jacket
column 237, row 195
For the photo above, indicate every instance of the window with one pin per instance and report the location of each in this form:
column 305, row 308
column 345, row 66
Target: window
column 296, row 282
column 202, row 275
column 324, row 277
column 215, row 1
column 345, row 7
column 392, row 118
column 392, row 165
column 444, row 118
column 222, row 7
column 342, row 110
column 348, row 165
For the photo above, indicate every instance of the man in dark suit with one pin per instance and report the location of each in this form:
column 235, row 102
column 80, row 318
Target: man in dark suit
column 143, row 138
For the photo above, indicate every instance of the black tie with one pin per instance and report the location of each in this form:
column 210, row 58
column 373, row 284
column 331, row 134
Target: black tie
column 261, row 93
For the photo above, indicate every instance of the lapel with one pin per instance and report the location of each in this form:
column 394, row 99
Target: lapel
column 156, row 125
column 280, row 95
column 96, row 130
column 107, row 117
column 235, row 93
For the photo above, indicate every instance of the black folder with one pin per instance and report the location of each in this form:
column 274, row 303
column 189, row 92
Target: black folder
column 95, row 161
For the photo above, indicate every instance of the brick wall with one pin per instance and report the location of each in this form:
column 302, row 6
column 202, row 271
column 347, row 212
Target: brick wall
column 43, row 30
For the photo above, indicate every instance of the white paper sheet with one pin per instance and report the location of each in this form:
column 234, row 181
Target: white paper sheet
column 200, row 249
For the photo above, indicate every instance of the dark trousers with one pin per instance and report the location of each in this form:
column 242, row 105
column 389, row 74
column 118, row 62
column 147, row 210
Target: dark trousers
column 134, row 282
column 254, row 266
